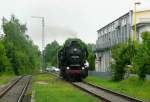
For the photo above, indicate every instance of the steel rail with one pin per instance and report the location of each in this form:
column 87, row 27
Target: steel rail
column 116, row 93
column 3, row 92
column 125, row 97
column 24, row 90
column 91, row 93
column 128, row 98
column 71, row 83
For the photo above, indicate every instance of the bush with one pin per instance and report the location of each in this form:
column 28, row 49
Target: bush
column 142, row 59
column 136, row 55
column 123, row 55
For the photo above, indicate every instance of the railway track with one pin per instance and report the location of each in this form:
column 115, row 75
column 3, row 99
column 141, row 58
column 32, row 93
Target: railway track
column 16, row 90
column 104, row 94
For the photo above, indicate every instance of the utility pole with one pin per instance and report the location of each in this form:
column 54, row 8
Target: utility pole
column 43, row 42
column 135, row 4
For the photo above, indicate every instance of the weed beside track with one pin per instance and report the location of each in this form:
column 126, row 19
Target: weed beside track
column 49, row 88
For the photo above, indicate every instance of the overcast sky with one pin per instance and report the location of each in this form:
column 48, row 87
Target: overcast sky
column 67, row 18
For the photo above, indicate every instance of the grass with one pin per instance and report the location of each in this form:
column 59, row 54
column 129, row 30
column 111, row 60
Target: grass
column 5, row 78
column 50, row 89
column 131, row 86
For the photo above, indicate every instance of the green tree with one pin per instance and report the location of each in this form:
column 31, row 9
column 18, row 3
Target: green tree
column 23, row 54
column 91, row 57
column 4, row 61
column 123, row 55
column 51, row 52
column 142, row 58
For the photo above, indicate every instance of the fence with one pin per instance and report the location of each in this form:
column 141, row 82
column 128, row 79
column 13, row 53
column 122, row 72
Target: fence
column 108, row 74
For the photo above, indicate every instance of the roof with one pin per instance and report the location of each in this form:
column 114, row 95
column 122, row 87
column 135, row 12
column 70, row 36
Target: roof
column 115, row 20
column 148, row 10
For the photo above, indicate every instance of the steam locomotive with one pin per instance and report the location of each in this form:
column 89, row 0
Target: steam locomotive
column 73, row 60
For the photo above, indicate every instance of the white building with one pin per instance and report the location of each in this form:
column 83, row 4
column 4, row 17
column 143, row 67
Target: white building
column 118, row 31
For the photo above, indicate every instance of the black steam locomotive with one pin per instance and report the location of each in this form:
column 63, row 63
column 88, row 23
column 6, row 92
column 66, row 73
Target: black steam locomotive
column 72, row 60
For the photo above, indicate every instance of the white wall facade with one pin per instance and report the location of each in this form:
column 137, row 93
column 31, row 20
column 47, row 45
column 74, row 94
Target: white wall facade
column 118, row 31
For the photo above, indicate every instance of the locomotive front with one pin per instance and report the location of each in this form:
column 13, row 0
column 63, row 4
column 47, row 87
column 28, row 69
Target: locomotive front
column 74, row 59
column 74, row 55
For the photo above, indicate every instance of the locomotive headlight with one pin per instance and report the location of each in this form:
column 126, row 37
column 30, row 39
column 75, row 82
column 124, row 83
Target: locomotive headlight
column 82, row 68
column 68, row 68
column 75, row 49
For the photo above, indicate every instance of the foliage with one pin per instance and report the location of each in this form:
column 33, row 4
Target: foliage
column 142, row 58
column 91, row 57
column 22, row 54
column 122, row 55
column 6, row 78
column 136, row 55
column 51, row 52
column 4, row 61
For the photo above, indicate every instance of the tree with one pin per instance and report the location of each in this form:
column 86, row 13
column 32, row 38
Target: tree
column 123, row 55
column 51, row 52
column 142, row 59
column 4, row 61
column 23, row 54
column 91, row 57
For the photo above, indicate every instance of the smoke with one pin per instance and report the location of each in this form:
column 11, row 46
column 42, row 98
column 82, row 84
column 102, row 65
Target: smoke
column 59, row 34
column 58, row 31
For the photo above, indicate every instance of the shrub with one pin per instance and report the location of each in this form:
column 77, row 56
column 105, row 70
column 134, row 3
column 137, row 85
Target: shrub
column 123, row 55
column 142, row 59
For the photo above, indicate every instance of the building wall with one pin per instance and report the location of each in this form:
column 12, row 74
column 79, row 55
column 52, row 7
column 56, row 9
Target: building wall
column 114, row 33
column 141, row 29
column 118, row 31
column 143, row 23
column 143, row 16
